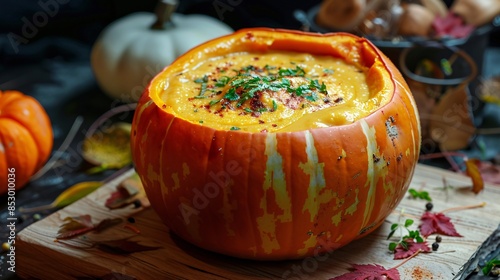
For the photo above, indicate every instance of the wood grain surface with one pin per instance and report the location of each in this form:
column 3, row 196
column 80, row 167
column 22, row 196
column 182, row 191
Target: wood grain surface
column 39, row 256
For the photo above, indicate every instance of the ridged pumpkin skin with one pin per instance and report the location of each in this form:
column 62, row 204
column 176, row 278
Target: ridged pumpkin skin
column 26, row 137
column 284, row 195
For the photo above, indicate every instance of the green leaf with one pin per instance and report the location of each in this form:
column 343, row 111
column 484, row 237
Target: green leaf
column 222, row 81
column 213, row 102
column 420, row 194
column 392, row 246
column 404, row 244
column 203, row 89
column 275, row 105
column 413, row 193
column 391, row 234
column 408, row 222
column 234, row 128
column 231, row 95
column 292, row 72
column 394, row 226
column 419, row 239
column 203, row 79
column 489, row 266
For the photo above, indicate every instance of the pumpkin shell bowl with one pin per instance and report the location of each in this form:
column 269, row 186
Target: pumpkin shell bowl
column 278, row 195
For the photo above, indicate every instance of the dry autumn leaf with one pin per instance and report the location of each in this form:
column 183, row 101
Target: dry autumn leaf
column 369, row 271
column 472, row 170
column 74, row 226
column 129, row 191
column 122, row 246
column 451, row 124
column 126, row 192
column 108, row 148
column 68, row 196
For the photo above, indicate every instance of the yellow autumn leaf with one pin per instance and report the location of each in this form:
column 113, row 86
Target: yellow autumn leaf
column 108, row 148
column 68, row 196
column 473, row 172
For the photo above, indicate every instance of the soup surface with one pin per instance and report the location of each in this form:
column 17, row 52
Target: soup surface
column 275, row 91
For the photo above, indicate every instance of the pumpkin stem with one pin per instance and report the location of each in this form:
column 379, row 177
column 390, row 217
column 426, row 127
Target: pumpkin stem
column 164, row 10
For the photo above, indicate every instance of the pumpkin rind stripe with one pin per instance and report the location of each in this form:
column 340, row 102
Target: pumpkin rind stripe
column 274, row 180
column 316, row 177
column 371, row 150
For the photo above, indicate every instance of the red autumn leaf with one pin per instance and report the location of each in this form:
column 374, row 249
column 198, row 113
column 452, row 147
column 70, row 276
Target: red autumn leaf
column 74, row 226
column 472, row 170
column 412, row 247
column 369, row 272
column 437, row 223
column 122, row 247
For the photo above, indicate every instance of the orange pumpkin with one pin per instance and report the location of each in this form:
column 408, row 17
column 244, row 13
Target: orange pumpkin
column 25, row 138
column 277, row 195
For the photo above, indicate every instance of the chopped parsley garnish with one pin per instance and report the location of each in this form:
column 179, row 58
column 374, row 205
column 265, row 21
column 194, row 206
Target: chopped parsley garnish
column 327, row 71
column 249, row 83
column 234, row 128
column 292, row 72
column 222, row 81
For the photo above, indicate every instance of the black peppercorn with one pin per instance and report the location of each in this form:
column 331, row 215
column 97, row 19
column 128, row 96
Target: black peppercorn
column 429, row 206
column 435, row 246
column 438, row 238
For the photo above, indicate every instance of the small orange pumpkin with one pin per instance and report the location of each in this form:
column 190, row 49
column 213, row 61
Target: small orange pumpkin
column 276, row 195
column 25, row 138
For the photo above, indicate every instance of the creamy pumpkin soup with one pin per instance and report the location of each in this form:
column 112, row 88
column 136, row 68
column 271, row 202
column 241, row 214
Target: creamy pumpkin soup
column 273, row 91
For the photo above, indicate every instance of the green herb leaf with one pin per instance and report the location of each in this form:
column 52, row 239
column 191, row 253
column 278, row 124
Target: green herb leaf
column 231, row 95
column 419, row 194
column 213, row 102
column 327, row 71
column 234, row 128
column 392, row 246
column 391, row 234
column 489, row 266
column 222, row 81
column 275, row 106
column 297, row 72
column 203, row 89
column 203, row 79
column 408, row 222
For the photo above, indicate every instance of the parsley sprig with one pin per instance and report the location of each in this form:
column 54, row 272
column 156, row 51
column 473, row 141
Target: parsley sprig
column 410, row 234
column 420, row 194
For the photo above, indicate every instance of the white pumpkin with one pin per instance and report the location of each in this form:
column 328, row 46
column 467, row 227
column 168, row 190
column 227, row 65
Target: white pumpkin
column 129, row 52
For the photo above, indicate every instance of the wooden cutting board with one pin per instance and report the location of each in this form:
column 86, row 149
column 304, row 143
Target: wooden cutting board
column 39, row 256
